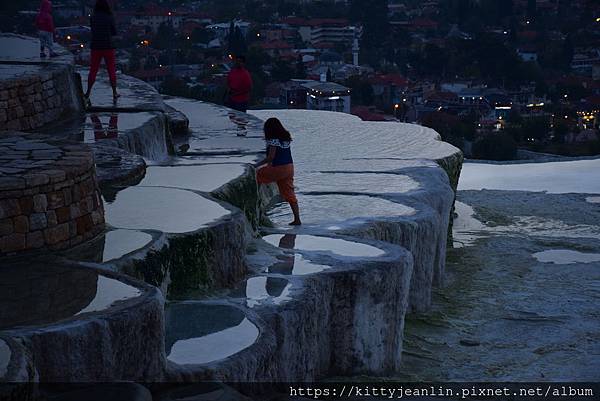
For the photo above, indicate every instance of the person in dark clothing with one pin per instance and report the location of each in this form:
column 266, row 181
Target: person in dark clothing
column 103, row 29
column 239, row 85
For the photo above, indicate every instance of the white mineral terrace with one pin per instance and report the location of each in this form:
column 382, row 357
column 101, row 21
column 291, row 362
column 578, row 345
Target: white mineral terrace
column 336, row 246
column 186, row 220
column 580, row 176
column 566, row 257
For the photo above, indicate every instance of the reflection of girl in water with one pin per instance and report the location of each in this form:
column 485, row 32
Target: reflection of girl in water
column 111, row 132
column 278, row 165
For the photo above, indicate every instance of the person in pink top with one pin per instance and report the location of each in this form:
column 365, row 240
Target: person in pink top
column 45, row 25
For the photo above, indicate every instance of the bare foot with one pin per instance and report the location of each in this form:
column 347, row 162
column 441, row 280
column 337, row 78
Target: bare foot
column 296, row 223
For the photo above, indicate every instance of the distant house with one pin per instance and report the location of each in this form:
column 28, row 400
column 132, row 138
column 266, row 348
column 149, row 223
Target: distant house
column 272, row 93
column 500, row 105
column 583, row 63
column 456, row 33
column 440, row 99
column 221, row 30
column 423, row 25
column 332, row 31
column 292, row 94
column 277, row 48
column 368, row 113
column 528, row 54
column 319, row 31
column 390, row 89
column 327, row 96
column 154, row 17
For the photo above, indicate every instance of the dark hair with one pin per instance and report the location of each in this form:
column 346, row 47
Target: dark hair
column 102, row 6
column 240, row 57
column 275, row 130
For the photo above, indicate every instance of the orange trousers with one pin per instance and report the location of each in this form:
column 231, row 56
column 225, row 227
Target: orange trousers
column 283, row 176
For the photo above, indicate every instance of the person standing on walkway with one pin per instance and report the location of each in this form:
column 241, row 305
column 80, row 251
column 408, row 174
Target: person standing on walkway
column 45, row 25
column 239, row 85
column 103, row 29
column 278, row 166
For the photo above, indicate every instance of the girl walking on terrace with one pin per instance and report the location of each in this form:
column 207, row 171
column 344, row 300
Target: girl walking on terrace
column 278, row 166
column 103, row 29
column 45, row 25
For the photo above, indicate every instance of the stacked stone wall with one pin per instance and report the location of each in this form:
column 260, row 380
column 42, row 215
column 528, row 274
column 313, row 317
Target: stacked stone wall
column 49, row 197
column 38, row 97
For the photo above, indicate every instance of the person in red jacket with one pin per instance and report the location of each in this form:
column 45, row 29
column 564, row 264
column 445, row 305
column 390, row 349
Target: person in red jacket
column 45, row 25
column 239, row 85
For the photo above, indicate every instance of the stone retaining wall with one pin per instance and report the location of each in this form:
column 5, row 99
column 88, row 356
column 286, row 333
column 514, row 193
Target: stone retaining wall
column 49, row 197
column 35, row 96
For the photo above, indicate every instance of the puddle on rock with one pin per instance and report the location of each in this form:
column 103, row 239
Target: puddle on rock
column 296, row 265
column 205, row 178
column 5, row 355
column 110, row 291
column 340, row 208
column 466, row 229
column 566, row 257
column 191, row 160
column 259, row 289
column 357, row 183
column 231, row 144
column 325, row 244
column 101, row 126
column 39, row 295
column 199, row 333
column 207, row 117
column 164, row 209
column 118, row 243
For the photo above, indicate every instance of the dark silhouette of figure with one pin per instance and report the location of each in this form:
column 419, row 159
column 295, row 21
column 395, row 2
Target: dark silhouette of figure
column 239, row 85
column 103, row 27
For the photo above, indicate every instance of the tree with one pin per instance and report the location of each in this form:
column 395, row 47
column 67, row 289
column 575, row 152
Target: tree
column 361, row 90
column 536, row 128
column 497, row 146
column 134, row 63
column 373, row 16
column 201, row 35
column 175, row 87
column 165, row 37
column 236, row 43
column 300, row 68
column 560, row 131
column 282, row 71
column 531, row 10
